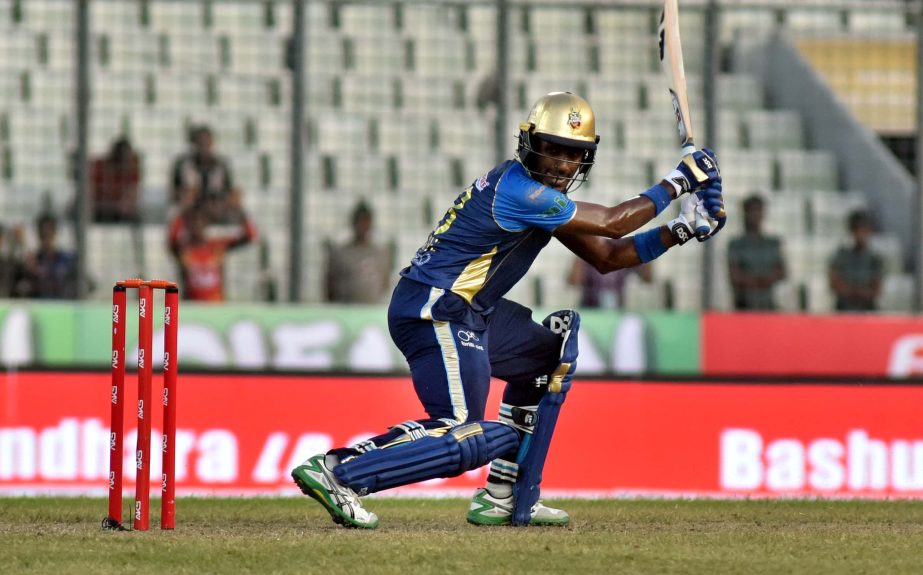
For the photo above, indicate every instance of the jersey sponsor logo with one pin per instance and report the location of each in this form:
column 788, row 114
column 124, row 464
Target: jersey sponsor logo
column 481, row 183
column 560, row 204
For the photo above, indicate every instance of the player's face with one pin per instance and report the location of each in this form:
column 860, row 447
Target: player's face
column 556, row 165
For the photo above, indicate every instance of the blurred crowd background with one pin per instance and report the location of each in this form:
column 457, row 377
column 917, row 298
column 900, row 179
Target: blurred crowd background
column 301, row 151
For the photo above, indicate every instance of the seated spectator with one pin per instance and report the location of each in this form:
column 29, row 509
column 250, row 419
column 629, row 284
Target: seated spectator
column 358, row 271
column 755, row 261
column 201, row 258
column 604, row 291
column 49, row 273
column 203, row 179
column 114, row 182
column 11, row 264
column 856, row 272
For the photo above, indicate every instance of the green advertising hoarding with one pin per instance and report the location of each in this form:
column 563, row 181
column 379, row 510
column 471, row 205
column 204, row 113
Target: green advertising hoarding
column 316, row 338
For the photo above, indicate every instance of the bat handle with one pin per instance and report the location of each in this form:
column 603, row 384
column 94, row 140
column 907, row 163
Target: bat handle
column 702, row 226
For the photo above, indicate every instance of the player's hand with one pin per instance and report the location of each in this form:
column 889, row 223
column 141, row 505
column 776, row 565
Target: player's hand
column 710, row 209
column 712, row 200
column 701, row 215
column 696, row 170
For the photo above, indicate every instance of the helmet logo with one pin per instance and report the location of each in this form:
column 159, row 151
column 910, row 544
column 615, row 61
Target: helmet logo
column 574, row 119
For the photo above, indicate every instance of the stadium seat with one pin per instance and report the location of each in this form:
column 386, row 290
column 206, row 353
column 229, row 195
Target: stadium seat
column 730, row 135
column 814, row 19
column 828, row 211
column 339, row 133
column 368, row 94
column 375, row 54
column 650, row 133
column 807, row 170
column 610, row 95
column 465, row 132
column 406, row 133
column 773, row 130
column 897, row 293
column 889, row 246
column 367, row 19
column 786, row 214
column 176, row 17
column 864, row 21
column 739, row 92
column 637, row 22
column 746, row 171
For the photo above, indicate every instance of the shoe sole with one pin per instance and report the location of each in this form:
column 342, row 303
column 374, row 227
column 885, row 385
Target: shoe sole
column 499, row 522
column 317, row 492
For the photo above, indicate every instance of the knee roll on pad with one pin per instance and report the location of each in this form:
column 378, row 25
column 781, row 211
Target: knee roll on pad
column 463, row 448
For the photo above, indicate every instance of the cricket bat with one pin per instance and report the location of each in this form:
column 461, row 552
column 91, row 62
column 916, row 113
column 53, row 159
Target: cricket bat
column 671, row 59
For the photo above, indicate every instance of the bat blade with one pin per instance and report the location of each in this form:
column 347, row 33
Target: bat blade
column 671, row 59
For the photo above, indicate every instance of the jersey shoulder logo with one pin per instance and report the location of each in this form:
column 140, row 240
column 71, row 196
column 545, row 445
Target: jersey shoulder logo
column 481, row 183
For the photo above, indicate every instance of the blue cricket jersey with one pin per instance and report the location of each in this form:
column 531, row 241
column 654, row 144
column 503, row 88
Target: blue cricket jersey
column 488, row 240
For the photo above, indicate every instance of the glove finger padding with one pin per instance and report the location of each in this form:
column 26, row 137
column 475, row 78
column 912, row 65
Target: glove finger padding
column 713, row 200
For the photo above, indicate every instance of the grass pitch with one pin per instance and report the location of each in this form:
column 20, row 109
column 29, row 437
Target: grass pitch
column 294, row 535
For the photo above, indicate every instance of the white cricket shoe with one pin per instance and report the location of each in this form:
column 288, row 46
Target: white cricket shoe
column 486, row 509
column 317, row 480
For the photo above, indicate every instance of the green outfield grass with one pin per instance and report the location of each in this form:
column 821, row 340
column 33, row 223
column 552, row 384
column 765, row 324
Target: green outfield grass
column 293, row 535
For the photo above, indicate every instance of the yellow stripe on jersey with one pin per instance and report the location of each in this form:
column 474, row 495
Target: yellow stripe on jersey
column 472, row 278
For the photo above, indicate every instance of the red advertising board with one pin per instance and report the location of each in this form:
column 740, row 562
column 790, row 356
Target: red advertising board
column 784, row 344
column 242, row 434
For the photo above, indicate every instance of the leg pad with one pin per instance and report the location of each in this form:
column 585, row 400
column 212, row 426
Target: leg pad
column 461, row 449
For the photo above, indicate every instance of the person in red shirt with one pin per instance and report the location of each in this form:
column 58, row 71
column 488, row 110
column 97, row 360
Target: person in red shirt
column 115, row 179
column 201, row 256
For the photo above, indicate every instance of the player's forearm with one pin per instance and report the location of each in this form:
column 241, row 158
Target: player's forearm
column 635, row 250
column 616, row 221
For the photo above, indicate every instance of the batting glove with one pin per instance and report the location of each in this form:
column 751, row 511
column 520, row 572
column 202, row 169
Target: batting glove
column 695, row 171
column 701, row 215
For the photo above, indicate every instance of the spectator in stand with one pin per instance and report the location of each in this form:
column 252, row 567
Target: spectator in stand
column 11, row 260
column 604, row 291
column 115, row 179
column 203, row 179
column 755, row 261
column 201, row 257
column 856, row 271
column 358, row 271
column 49, row 272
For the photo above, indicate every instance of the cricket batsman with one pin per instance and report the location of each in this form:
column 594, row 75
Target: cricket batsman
column 449, row 318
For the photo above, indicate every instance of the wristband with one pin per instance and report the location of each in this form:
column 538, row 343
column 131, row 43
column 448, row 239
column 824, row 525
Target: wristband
column 649, row 245
column 660, row 196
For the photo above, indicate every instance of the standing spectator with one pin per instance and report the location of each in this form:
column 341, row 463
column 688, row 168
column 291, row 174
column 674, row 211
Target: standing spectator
column 755, row 261
column 358, row 271
column 114, row 180
column 203, row 179
column 49, row 273
column 200, row 257
column 856, row 271
column 604, row 291
column 11, row 264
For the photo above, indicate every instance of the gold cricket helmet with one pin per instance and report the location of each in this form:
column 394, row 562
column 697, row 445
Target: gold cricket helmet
column 561, row 118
